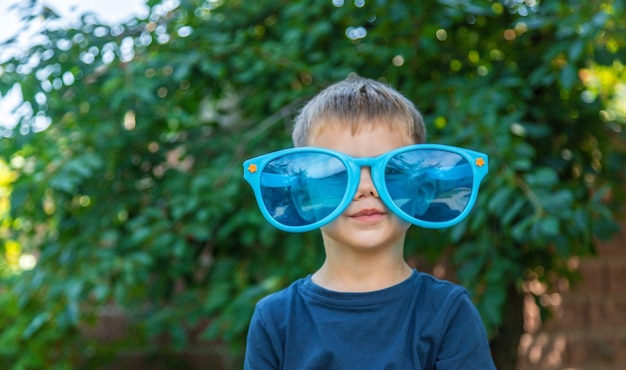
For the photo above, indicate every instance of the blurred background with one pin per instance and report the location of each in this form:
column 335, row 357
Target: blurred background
column 128, row 239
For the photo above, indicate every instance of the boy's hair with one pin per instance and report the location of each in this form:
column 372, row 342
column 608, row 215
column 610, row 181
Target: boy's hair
column 357, row 102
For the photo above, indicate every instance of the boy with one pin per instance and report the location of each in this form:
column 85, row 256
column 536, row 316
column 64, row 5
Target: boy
column 357, row 175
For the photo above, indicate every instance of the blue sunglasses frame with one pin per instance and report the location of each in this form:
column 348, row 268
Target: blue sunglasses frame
column 477, row 163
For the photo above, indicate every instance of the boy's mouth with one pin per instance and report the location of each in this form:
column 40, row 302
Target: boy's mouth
column 368, row 215
column 368, row 212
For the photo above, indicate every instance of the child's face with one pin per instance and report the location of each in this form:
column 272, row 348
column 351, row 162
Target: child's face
column 366, row 223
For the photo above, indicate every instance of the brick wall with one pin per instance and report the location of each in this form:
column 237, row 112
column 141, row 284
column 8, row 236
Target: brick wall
column 588, row 330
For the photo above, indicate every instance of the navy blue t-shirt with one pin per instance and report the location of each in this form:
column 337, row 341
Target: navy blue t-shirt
column 421, row 323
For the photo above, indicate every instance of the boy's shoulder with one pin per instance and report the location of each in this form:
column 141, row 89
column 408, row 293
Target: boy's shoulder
column 281, row 297
column 434, row 284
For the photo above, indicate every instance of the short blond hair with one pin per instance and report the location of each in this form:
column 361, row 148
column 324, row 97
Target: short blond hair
column 356, row 102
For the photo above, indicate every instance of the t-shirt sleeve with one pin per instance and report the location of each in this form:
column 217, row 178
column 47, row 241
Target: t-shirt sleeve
column 464, row 342
column 260, row 350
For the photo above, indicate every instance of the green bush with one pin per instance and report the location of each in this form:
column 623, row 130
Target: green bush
column 129, row 186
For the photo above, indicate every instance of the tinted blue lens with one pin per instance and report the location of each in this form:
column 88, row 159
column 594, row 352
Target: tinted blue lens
column 429, row 185
column 302, row 188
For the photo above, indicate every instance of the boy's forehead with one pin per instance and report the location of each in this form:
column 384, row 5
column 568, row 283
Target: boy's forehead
column 364, row 141
column 352, row 127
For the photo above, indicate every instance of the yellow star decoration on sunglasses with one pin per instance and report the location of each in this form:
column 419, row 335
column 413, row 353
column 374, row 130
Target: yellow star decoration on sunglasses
column 252, row 168
column 480, row 162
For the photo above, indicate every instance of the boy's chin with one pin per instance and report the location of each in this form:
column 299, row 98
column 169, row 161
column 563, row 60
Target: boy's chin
column 374, row 237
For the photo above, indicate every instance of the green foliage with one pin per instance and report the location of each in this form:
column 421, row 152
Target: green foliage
column 133, row 196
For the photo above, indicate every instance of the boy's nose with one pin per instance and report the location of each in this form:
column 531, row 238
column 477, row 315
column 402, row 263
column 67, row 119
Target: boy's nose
column 366, row 185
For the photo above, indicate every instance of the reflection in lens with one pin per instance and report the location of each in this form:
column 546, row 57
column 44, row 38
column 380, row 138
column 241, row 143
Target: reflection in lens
column 429, row 184
column 302, row 188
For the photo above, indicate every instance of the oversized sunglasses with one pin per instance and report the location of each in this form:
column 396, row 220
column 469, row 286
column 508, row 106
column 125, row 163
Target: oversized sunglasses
column 428, row 185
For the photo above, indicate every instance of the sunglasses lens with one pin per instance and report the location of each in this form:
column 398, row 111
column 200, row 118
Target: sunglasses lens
column 302, row 188
column 430, row 184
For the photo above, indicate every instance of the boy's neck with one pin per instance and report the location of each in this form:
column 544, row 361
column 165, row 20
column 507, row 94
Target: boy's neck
column 362, row 272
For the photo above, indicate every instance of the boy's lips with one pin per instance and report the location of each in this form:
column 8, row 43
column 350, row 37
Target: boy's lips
column 368, row 215
column 368, row 212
